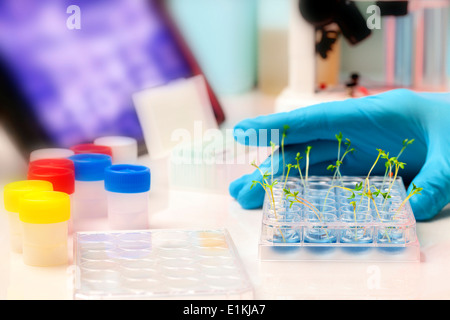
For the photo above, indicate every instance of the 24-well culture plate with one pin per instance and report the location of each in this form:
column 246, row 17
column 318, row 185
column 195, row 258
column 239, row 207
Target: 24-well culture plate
column 158, row 264
column 331, row 229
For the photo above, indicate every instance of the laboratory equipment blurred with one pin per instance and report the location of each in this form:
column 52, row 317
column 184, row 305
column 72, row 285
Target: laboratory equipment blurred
column 273, row 31
column 185, row 103
column 62, row 86
column 387, row 44
column 222, row 35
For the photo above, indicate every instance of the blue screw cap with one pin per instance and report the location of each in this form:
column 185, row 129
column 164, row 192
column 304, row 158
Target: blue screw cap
column 127, row 178
column 90, row 166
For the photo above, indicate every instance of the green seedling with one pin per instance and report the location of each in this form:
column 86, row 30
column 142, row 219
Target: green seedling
column 397, row 165
column 336, row 167
column 339, row 139
column 289, row 167
column 370, row 196
column 268, row 188
column 405, row 143
column 415, row 190
column 366, row 186
column 357, row 188
column 272, row 150
column 283, row 136
column 378, row 192
column 353, row 204
column 390, row 162
column 308, row 151
column 298, row 158
column 293, row 197
column 388, row 165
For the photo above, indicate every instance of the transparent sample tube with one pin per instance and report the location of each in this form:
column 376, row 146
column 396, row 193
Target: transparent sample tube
column 124, row 149
column 89, row 199
column 44, row 216
column 62, row 179
column 13, row 192
column 50, row 153
column 127, row 188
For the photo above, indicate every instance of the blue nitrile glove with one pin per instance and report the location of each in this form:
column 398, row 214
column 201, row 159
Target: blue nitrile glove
column 381, row 121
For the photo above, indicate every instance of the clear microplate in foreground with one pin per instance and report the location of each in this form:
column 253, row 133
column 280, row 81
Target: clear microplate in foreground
column 326, row 226
column 159, row 264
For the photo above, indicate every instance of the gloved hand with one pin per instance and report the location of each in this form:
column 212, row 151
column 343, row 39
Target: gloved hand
column 381, row 121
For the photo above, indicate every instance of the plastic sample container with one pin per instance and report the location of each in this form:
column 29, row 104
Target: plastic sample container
column 91, row 148
column 89, row 199
column 52, row 163
column 60, row 172
column 159, row 264
column 157, row 104
column 210, row 165
column 50, row 153
column 331, row 229
column 62, row 179
column 127, row 189
column 44, row 216
column 124, row 149
column 13, row 192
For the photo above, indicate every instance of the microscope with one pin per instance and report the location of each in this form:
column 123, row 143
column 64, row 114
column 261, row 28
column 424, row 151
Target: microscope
column 340, row 49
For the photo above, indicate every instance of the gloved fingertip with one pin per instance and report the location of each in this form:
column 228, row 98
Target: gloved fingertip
column 250, row 205
column 251, row 198
column 244, row 124
column 433, row 196
column 236, row 186
column 244, row 134
column 422, row 211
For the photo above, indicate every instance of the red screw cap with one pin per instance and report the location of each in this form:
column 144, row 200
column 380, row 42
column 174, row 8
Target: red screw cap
column 91, row 148
column 62, row 179
column 52, row 163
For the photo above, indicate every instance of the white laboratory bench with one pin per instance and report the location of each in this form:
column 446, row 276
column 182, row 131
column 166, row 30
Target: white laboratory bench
column 428, row 279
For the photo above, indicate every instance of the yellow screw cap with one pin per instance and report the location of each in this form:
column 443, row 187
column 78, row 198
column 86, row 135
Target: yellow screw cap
column 43, row 207
column 16, row 190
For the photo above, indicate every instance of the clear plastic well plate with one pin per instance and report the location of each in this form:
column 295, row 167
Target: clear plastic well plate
column 159, row 264
column 326, row 225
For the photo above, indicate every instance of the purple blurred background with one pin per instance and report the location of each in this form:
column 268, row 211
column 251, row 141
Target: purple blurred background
column 76, row 85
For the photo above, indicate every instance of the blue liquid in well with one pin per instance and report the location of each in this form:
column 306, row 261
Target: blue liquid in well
column 290, row 236
column 395, row 238
column 320, row 235
column 359, row 236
